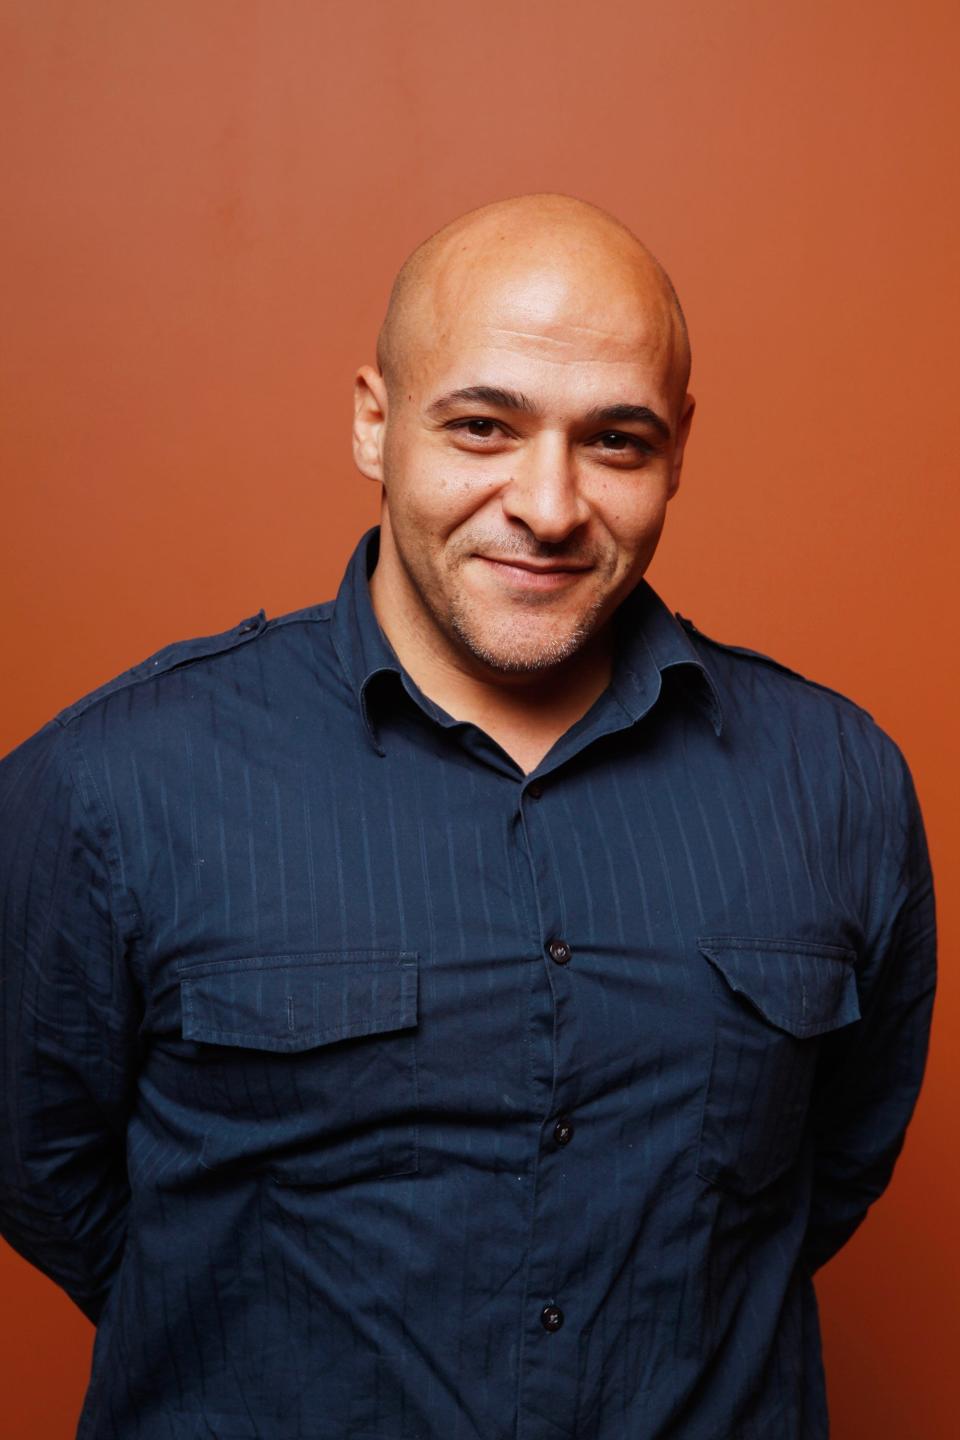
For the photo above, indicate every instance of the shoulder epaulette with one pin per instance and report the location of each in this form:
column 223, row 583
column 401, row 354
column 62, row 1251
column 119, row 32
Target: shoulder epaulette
column 769, row 661
column 181, row 652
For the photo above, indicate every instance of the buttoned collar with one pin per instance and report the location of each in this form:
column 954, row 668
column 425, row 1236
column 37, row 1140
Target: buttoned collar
column 650, row 643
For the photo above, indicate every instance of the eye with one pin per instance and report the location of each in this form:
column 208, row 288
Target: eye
column 476, row 427
column 619, row 442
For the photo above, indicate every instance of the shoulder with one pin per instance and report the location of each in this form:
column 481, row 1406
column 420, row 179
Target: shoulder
column 771, row 704
column 160, row 712
column 221, row 651
column 830, row 740
column 736, row 664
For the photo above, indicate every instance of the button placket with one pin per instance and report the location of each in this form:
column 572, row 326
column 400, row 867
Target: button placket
column 544, row 1364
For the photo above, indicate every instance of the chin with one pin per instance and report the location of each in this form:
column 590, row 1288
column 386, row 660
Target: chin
column 522, row 654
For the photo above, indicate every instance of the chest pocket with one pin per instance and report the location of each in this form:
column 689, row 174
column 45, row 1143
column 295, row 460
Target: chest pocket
column 305, row 1065
column 773, row 999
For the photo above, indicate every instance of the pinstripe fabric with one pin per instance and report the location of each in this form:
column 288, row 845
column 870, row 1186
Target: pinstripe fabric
column 287, row 1036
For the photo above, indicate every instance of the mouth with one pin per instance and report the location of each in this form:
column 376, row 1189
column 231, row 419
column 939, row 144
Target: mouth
column 534, row 574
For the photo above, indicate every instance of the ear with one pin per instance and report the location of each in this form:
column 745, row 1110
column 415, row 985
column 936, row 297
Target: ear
column 683, row 431
column 369, row 421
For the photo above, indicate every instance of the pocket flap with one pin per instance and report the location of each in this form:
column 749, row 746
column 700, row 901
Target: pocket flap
column 803, row 988
column 295, row 1002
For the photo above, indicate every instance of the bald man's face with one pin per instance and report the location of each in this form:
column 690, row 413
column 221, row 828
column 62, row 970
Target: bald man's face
column 528, row 447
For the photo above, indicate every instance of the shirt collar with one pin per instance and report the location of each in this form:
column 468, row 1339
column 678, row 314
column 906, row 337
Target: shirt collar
column 650, row 643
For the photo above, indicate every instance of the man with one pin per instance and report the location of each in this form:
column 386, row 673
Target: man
column 472, row 1007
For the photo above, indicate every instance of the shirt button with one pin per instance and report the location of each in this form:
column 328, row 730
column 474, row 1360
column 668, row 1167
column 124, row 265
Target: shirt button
column 559, row 951
column 563, row 1131
column 551, row 1317
column 534, row 790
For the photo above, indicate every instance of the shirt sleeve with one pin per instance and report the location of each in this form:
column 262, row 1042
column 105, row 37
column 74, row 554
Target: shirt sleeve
column 69, row 1021
column 871, row 1076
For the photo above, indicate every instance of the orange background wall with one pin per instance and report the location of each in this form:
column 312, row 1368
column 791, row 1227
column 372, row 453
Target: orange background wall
column 205, row 201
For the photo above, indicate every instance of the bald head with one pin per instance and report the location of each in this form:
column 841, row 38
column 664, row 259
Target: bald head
column 573, row 254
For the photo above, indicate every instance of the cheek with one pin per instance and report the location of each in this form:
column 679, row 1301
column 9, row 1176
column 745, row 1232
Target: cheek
column 437, row 491
column 425, row 492
column 633, row 519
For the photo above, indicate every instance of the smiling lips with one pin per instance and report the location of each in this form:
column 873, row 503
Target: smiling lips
column 532, row 574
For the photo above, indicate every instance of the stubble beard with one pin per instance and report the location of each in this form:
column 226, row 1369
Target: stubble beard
column 515, row 650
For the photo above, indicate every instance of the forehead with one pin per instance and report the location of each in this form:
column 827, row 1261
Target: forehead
column 566, row 332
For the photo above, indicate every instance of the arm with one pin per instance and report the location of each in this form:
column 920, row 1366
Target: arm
column 68, row 1020
column 871, row 1077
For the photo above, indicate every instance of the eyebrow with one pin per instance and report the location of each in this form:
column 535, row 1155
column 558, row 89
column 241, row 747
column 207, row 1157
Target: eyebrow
column 501, row 399
column 639, row 414
column 483, row 395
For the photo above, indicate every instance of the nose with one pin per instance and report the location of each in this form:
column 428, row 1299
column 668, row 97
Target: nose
column 543, row 493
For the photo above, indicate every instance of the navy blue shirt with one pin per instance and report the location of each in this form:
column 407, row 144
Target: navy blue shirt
column 362, row 1087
